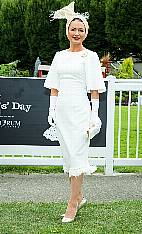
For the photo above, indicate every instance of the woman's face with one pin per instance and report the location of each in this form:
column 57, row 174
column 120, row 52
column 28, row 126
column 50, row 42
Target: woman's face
column 76, row 32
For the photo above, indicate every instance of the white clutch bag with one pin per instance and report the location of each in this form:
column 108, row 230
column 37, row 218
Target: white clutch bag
column 51, row 133
column 94, row 130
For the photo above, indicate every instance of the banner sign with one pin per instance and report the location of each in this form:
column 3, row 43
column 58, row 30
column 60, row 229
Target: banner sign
column 24, row 104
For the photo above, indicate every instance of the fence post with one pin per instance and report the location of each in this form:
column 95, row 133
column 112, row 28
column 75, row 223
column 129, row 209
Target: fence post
column 110, row 125
column 109, row 166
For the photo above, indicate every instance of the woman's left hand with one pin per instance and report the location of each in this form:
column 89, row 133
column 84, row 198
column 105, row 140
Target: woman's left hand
column 95, row 120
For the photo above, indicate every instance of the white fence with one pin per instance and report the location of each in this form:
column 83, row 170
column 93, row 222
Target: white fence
column 133, row 128
column 101, row 156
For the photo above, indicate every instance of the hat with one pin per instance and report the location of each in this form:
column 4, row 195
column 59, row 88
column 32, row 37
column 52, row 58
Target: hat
column 68, row 13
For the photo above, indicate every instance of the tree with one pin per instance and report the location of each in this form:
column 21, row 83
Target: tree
column 63, row 41
column 97, row 37
column 13, row 42
column 41, row 32
column 124, row 26
column 83, row 6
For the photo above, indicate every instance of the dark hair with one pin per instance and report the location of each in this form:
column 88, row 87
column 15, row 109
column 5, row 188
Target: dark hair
column 78, row 20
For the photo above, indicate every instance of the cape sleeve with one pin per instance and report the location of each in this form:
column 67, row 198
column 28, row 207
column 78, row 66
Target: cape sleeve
column 52, row 79
column 94, row 77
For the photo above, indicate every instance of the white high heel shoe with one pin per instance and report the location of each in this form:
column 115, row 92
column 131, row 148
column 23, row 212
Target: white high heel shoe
column 81, row 204
column 68, row 220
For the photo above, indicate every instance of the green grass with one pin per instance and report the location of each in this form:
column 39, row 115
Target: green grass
column 31, row 169
column 59, row 169
column 133, row 132
column 44, row 218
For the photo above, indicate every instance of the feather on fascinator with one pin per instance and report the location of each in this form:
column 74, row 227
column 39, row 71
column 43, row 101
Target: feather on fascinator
column 68, row 13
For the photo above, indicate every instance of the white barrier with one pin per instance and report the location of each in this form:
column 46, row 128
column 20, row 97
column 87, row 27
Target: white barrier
column 101, row 156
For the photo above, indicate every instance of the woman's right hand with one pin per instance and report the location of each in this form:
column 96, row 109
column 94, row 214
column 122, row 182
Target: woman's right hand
column 52, row 117
column 52, row 112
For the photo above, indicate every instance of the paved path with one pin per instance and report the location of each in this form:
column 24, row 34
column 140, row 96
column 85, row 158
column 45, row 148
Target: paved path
column 55, row 187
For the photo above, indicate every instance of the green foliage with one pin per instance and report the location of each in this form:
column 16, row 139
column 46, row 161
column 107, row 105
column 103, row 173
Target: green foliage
column 125, row 70
column 63, row 41
column 13, row 43
column 22, row 73
column 27, row 32
column 140, row 75
column 41, row 33
column 123, row 25
column 125, row 97
column 96, row 39
column 10, row 70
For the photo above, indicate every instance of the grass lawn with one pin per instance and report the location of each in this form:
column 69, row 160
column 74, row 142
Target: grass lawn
column 44, row 218
column 133, row 132
column 59, row 169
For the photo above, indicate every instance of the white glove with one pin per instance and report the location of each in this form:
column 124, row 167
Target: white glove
column 94, row 118
column 52, row 114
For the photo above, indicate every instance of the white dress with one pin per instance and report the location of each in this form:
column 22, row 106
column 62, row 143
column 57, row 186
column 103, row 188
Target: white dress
column 74, row 74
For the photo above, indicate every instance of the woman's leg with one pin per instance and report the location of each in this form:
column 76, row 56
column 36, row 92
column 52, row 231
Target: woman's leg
column 76, row 183
column 80, row 187
column 80, row 197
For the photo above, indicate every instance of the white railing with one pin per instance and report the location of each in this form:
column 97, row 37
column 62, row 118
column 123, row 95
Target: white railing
column 132, row 85
column 101, row 156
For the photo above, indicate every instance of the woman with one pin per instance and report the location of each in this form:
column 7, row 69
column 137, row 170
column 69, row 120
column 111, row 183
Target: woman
column 73, row 73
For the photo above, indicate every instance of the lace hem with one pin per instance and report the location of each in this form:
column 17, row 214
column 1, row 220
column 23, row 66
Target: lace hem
column 79, row 171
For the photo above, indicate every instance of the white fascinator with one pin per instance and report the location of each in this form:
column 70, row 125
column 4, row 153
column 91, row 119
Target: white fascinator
column 68, row 13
